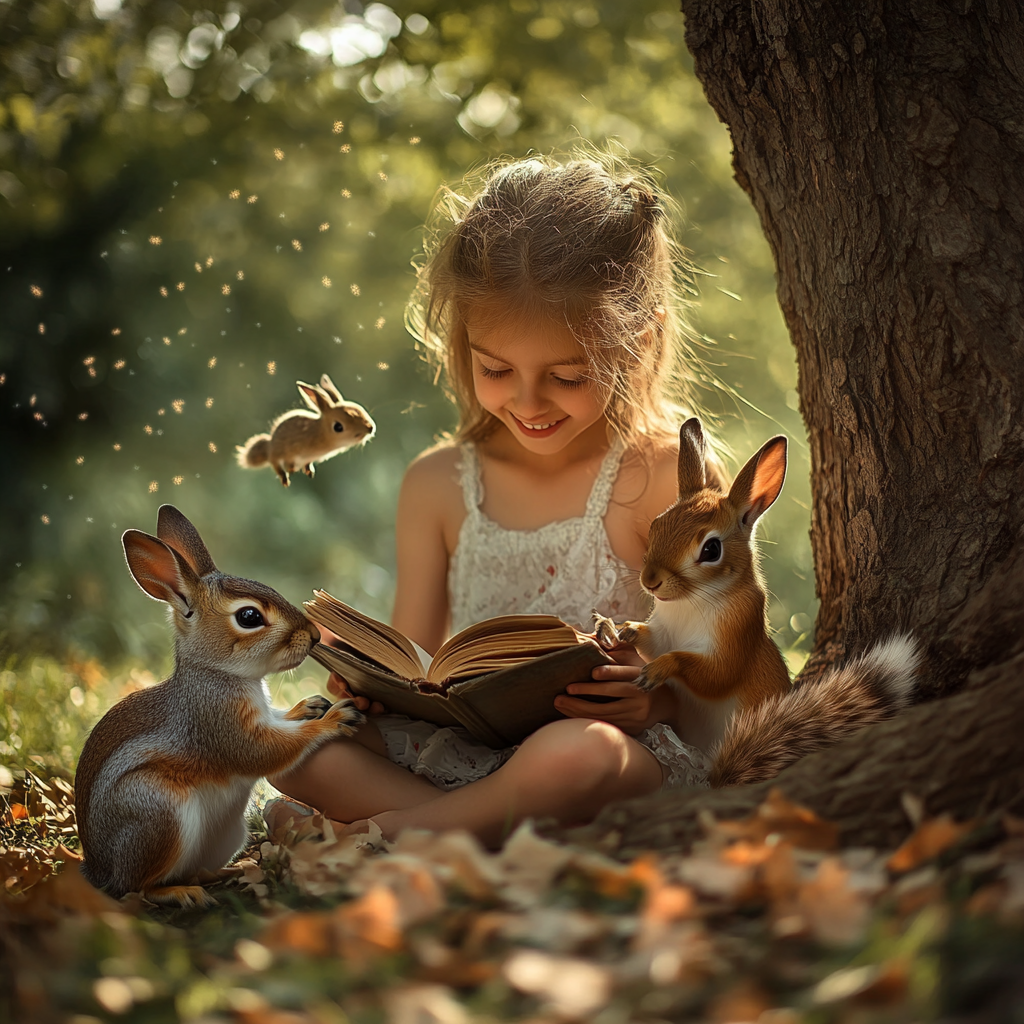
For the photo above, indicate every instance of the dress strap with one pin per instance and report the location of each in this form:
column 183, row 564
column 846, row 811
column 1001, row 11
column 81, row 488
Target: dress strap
column 601, row 493
column 471, row 478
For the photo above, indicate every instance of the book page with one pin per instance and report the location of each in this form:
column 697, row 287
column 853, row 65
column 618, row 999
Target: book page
column 500, row 643
column 376, row 640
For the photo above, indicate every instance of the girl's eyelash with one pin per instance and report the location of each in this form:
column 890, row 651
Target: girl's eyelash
column 564, row 382
column 486, row 371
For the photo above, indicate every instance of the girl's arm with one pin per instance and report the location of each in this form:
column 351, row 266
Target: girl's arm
column 422, row 534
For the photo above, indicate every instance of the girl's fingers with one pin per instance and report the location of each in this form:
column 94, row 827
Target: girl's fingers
column 615, row 686
column 615, row 673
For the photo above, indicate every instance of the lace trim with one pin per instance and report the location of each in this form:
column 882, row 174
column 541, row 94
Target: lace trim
column 471, row 479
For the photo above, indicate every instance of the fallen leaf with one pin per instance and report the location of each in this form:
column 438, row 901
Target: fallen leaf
column 310, row 933
column 836, row 914
column 745, row 1001
column 928, row 840
column 409, row 879
column 779, row 817
column 368, row 925
column 528, row 865
column 567, row 987
column 424, row 1004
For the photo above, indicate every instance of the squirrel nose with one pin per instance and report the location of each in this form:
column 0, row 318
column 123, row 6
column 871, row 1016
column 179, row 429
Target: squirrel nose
column 314, row 633
column 654, row 586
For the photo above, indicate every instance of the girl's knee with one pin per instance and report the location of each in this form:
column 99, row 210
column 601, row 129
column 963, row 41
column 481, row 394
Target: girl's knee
column 576, row 753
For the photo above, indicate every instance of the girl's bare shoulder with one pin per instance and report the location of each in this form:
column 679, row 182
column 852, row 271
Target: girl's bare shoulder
column 432, row 480
column 648, row 479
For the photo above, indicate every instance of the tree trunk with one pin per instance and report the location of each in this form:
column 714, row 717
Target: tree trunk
column 882, row 146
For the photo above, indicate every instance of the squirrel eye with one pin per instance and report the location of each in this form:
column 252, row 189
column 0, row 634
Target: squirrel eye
column 338, row 427
column 249, row 618
column 712, row 550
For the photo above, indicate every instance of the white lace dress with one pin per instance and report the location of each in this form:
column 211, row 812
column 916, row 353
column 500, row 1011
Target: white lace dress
column 565, row 568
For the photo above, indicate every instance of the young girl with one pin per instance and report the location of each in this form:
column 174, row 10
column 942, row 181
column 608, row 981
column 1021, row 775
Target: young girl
column 549, row 305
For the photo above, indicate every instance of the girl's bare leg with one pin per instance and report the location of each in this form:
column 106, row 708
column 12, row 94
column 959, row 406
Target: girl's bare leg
column 567, row 770
column 352, row 778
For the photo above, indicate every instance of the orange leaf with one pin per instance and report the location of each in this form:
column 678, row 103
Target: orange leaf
column 791, row 822
column 928, row 840
column 18, row 812
column 305, row 933
column 836, row 914
column 372, row 919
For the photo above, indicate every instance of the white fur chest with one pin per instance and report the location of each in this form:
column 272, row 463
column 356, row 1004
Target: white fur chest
column 683, row 625
column 212, row 825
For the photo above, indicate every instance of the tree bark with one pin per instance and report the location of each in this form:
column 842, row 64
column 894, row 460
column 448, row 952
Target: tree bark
column 882, row 146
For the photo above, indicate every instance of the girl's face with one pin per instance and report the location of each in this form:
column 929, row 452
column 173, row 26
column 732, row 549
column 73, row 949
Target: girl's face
column 535, row 377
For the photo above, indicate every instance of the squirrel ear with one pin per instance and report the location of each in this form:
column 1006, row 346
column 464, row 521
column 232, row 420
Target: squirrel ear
column 313, row 396
column 759, row 482
column 329, row 387
column 160, row 571
column 693, row 450
column 178, row 533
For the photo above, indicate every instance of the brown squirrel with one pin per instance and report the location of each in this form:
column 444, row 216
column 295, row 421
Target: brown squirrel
column 708, row 638
column 165, row 776
column 301, row 437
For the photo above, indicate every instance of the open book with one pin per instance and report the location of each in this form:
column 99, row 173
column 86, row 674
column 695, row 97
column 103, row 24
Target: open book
column 498, row 678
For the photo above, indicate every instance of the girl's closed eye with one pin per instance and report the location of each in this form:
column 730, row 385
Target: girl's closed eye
column 569, row 382
column 492, row 373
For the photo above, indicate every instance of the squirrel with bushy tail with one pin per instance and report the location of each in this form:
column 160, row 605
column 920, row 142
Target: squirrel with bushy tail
column 708, row 637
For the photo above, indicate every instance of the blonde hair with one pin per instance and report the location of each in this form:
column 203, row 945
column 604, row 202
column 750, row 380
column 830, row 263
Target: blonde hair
column 582, row 243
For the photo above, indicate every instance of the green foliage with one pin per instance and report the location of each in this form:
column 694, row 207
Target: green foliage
column 202, row 205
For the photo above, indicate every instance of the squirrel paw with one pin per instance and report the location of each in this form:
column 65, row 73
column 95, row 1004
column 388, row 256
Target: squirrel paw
column 628, row 633
column 310, row 708
column 347, row 716
column 606, row 633
column 654, row 674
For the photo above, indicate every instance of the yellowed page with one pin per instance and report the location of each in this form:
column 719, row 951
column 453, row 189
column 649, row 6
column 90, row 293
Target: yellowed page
column 377, row 640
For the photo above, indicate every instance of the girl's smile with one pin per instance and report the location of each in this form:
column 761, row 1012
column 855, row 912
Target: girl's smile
column 538, row 429
column 534, row 376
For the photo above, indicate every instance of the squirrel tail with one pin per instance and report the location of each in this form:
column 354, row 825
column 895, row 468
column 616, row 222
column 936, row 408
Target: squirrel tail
column 763, row 740
column 255, row 452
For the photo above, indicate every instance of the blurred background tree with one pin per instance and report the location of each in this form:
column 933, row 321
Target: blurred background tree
column 200, row 205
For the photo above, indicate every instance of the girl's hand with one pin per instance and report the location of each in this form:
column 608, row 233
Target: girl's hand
column 633, row 712
column 338, row 688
